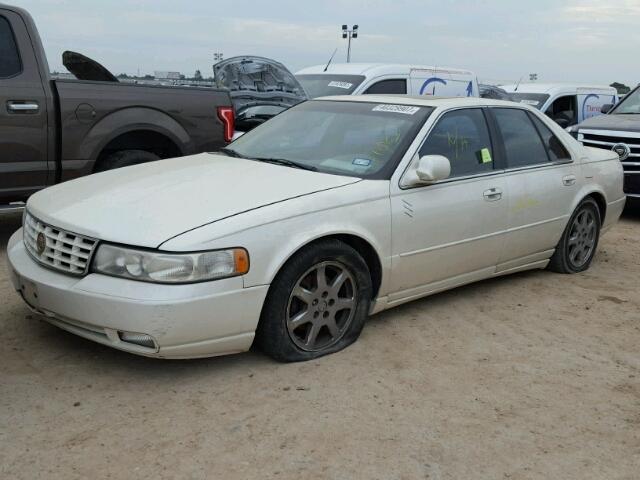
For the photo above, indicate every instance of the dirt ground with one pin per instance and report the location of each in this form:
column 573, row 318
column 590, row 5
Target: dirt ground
column 533, row 376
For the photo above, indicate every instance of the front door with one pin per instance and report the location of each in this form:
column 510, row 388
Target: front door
column 23, row 114
column 452, row 231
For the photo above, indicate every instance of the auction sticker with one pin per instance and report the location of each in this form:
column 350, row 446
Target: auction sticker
column 345, row 85
column 406, row 109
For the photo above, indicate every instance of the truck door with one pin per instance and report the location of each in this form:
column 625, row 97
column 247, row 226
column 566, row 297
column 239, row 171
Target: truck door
column 591, row 103
column 23, row 113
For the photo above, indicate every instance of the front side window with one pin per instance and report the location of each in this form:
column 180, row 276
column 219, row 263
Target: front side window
column 557, row 151
column 10, row 64
column 564, row 110
column 463, row 137
column 522, row 142
column 392, row 86
column 360, row 139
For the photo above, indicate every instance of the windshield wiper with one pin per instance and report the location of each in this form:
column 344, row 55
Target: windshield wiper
column 286, row 163
column 231, row 152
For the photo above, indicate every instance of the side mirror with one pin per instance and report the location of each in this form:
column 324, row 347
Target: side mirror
column 433, row 168
column 606, row 108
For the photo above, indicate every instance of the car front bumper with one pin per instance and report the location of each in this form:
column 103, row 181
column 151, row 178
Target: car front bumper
column 184, row 321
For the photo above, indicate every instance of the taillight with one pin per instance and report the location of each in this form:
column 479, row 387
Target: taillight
column 225, row 114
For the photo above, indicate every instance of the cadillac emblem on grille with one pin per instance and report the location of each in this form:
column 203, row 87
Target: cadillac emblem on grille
column 41, row 243
column 622, row 149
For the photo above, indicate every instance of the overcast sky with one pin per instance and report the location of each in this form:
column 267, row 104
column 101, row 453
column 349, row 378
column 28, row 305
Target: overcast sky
column 566, row 40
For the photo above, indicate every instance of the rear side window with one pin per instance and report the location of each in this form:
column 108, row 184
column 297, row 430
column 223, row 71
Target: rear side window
column 555, row 148
column 9, row 58
column 463, row 137
column 398, row 85
column 522, row 142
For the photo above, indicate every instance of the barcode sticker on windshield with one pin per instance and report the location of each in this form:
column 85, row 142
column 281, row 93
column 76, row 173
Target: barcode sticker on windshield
column 407, row 110
column 530, row 102
column 345, row 85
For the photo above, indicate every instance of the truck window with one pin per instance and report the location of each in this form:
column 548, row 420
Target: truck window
column 564, row 111
column 396, row 85
column 10, row 64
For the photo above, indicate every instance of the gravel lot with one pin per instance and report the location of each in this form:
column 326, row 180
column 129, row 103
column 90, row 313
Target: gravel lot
column 533, row 376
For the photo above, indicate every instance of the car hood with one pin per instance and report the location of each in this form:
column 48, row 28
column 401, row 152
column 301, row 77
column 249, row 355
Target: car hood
column 255, row 80
column 615, row 122
column 145, row 205
column 85, row 68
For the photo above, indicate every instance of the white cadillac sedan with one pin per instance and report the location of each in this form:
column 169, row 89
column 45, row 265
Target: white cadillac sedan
column 298, row 231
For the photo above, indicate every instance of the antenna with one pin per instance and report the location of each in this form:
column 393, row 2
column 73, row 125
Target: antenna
column 518, row 84
column 329, row 62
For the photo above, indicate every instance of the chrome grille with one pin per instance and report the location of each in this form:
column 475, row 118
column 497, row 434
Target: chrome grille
column 60, row 250
column 607, row 140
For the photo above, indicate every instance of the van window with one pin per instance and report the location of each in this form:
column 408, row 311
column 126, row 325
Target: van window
column 328, row 84
column 10, row 64
column 564, row 111
column 396, row 85
column 463, row 137
column 555, row 148
column 522, row 143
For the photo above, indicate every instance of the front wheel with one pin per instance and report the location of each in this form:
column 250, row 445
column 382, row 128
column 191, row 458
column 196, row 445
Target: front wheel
column 317, row 304
column 578, row 244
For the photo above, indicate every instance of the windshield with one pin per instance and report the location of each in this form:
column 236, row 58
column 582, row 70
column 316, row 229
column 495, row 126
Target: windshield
column 365, row 140
column 327, row 84
column 536, row 100
column 629, row 105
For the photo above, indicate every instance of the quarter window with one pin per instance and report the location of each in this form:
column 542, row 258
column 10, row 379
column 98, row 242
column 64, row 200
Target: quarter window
column 9, row 58
column 398, row 85
column 522, row 142
column 463, row 137
column 557, row 151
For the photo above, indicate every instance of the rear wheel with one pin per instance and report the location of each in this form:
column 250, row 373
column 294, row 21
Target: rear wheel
column 125, row 158
column 317, row 304
column 578, row 244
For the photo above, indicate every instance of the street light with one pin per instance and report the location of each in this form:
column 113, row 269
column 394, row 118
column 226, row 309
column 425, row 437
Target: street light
column 218, row 57
column 346, row 33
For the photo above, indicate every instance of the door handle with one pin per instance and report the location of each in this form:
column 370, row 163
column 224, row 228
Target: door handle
column 569, row 180
column 492, row 194
column 23, row 107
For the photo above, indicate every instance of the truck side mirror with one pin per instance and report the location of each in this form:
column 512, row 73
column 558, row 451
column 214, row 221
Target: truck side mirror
column 606, row 108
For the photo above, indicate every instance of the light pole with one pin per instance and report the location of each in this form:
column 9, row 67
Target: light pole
column 346, row 33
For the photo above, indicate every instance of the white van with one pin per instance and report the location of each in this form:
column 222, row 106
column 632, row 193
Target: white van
column 381, row 78
column 567, row 104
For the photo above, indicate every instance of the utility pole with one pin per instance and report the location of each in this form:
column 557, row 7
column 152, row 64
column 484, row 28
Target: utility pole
column 349, row 33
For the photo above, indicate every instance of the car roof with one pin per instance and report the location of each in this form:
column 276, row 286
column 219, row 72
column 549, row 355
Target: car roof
column 375, row 69
column 556, row 87
column 426, row 101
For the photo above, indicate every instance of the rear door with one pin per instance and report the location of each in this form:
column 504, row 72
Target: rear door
column 23, row 113
column 542, row 181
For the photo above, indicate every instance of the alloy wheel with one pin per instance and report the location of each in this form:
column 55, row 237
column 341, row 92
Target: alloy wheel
column 582, row 238
column 321, row 306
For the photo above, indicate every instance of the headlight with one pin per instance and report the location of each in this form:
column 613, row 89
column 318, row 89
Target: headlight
column 164, row 267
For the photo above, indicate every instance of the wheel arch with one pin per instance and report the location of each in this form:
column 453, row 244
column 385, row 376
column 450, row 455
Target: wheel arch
column 360, row 244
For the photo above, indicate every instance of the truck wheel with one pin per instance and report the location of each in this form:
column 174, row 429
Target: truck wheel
column 578, row 244
column 317, row 304
column 125, row 158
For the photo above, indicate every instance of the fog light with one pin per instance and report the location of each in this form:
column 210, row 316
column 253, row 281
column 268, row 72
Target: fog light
column 137, row 339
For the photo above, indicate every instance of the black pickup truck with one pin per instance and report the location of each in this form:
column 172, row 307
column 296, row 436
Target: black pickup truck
column 54, row 130
column 618, row 130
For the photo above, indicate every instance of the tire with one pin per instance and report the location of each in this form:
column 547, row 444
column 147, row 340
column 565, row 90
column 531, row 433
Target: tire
column 579, row 242
column 299, row 309
column 126, row 158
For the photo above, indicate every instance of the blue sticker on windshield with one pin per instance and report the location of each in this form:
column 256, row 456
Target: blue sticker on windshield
column 361, row 162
